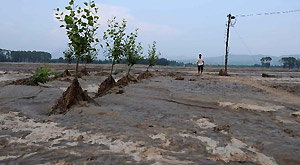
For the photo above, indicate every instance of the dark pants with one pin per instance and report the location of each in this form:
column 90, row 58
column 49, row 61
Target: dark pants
column 200, row 68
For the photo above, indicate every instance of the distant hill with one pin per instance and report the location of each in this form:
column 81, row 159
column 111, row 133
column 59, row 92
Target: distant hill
column 240, row 59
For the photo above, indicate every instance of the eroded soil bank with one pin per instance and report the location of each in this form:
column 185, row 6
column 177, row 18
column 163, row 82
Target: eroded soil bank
column 240, row 119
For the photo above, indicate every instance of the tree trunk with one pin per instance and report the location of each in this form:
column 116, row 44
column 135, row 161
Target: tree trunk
column 148, row 67
column 129, row 70
column 112, row 68
column 76, row 70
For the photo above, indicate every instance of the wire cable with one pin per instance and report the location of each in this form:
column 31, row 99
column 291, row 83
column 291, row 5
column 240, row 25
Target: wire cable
column 270, row 13
column 244, row 43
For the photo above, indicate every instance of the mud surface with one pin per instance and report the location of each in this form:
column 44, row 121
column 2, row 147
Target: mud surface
column 240, row 119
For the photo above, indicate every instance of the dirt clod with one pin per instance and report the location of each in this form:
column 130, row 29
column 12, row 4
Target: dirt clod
column 296, row 114
column 120, row 92
column 106, row 86
column 66, row 73
column 72, row 96
column 144, row 75
column 79, row 138
column 179, row 78
column 102, row 74
column 223, row 73
column 84, row 72
column 25, row 81
column 220, row 128
column 288, row 131
column 268, row 75
column 92, row 158
column 124, row 81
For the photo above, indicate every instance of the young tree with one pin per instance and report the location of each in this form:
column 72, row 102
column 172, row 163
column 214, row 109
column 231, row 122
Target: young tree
column 152, row 55
column 114, row 41
column 133, row 50
column 81, row 26
column 113, row 49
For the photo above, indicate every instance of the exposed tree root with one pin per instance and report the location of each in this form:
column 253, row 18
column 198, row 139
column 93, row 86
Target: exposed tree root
column 105, row 86
column 144, row 75
column 72, row 96
column 66, row 73
column 126, row 80
column 223, row 73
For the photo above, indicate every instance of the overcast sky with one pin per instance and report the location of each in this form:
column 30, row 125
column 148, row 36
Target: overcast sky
column 182, row 29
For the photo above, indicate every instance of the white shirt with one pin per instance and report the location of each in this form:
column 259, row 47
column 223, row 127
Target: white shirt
column 200, row 61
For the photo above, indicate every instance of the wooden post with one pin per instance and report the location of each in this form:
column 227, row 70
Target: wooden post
column 227, row 41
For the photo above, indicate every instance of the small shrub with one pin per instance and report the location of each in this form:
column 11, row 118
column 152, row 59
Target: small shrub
column 152, row 55
column 41, row 75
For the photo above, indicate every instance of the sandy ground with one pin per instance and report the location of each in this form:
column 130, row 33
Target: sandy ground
column 208, row 119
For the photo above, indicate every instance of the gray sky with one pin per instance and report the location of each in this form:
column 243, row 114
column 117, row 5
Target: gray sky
column 182, row 29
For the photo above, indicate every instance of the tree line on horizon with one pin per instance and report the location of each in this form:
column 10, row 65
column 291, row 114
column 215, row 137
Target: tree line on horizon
column 287, row 62
column 45, row 57
column 24, row 56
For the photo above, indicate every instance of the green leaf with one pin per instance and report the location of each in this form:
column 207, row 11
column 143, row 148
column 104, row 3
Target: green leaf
column 71, row 2
column 68, row 19
column 91, row 23
column 57, row 9
column 93, row 5
column 62, row 25
column 72, row 14
column 90, row 18
column 69, row 8
column 86, row 4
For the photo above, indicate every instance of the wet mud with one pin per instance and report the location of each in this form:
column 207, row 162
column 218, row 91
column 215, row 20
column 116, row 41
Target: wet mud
column 208, row 119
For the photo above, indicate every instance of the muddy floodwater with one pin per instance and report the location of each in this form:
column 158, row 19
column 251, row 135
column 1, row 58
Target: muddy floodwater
column 174, row 117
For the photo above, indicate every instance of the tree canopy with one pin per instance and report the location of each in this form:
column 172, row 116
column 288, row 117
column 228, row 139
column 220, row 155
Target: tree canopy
column 114, row 38
column 81, row 24
column 288, row 62
column 266, row 62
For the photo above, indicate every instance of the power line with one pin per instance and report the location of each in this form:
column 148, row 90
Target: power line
column 270, row 13
column 244, row 43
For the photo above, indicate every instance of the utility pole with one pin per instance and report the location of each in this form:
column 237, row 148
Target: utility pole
column 230, row 17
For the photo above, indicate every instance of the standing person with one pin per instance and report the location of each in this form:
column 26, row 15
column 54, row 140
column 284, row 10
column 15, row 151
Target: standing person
column 200, row 64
